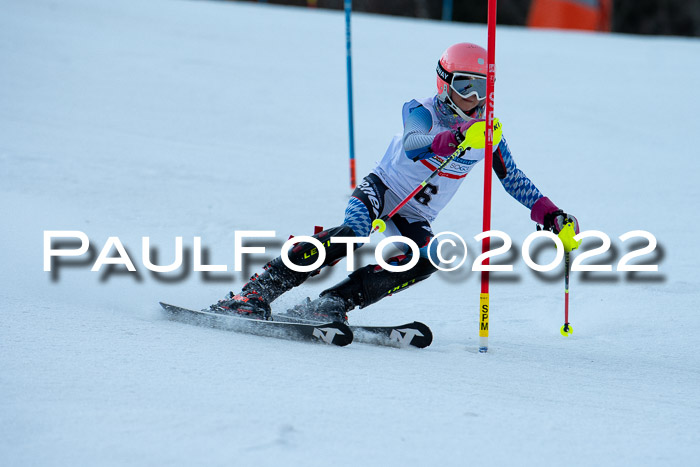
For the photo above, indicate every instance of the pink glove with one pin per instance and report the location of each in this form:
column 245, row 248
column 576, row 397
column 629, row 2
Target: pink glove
column 446, row 142
column 550, row 216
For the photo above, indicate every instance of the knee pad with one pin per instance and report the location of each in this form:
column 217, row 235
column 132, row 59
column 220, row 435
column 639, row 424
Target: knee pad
column 306, row 253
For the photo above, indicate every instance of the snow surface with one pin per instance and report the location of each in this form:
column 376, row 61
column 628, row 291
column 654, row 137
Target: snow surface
column 174, row 118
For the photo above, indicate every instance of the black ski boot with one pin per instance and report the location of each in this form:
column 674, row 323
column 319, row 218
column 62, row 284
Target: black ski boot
column 261, row 290
column 326, row 308
column 249, row 304
column 257, row 294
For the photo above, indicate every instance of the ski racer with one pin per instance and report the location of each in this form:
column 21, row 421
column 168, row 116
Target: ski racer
column 433, row 128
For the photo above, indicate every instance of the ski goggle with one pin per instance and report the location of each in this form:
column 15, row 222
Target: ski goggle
column 467, row 85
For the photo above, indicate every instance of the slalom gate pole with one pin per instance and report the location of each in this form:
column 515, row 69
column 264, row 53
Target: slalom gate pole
column 488, row 159
column 447, row 10
column 348, row 53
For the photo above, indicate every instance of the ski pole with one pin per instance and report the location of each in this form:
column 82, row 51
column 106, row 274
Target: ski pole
column 474, row 138
column 567, row 237
column 566, row 330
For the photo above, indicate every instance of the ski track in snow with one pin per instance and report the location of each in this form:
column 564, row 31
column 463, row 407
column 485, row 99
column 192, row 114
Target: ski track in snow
column 167, row 119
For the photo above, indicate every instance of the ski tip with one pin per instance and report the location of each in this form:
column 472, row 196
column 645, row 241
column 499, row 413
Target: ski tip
column 168, row 306
column 347, row 337
column 427, row 338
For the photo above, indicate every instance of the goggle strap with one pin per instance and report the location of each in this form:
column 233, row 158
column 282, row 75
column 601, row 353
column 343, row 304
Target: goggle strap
column 444, row 74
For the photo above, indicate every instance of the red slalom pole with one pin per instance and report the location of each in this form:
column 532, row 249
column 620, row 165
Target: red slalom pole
column 488, row 159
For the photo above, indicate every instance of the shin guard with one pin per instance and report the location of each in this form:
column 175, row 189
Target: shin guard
column 371, row 283
column 278, row 278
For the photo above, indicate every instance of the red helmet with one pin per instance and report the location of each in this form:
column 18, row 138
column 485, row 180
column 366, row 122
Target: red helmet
column 464, row 59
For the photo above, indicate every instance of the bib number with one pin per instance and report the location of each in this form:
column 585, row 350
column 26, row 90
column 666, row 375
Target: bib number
column 426, row 194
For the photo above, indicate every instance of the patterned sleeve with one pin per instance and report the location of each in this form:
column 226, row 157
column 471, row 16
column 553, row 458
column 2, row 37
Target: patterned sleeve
column 416, row 140
column 512, row 178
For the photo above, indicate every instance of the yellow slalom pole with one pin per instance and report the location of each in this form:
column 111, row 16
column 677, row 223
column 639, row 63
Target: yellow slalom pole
column 483, row 322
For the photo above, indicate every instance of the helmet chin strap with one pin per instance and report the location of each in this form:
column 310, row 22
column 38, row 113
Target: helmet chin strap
column 455, row 108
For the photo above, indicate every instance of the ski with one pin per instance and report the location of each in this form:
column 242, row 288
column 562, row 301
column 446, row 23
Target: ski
column 415, row 334
column 330, row 333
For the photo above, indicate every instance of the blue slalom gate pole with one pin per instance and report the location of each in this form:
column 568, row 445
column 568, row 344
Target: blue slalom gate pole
column 348, row 50
column 447, row 10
